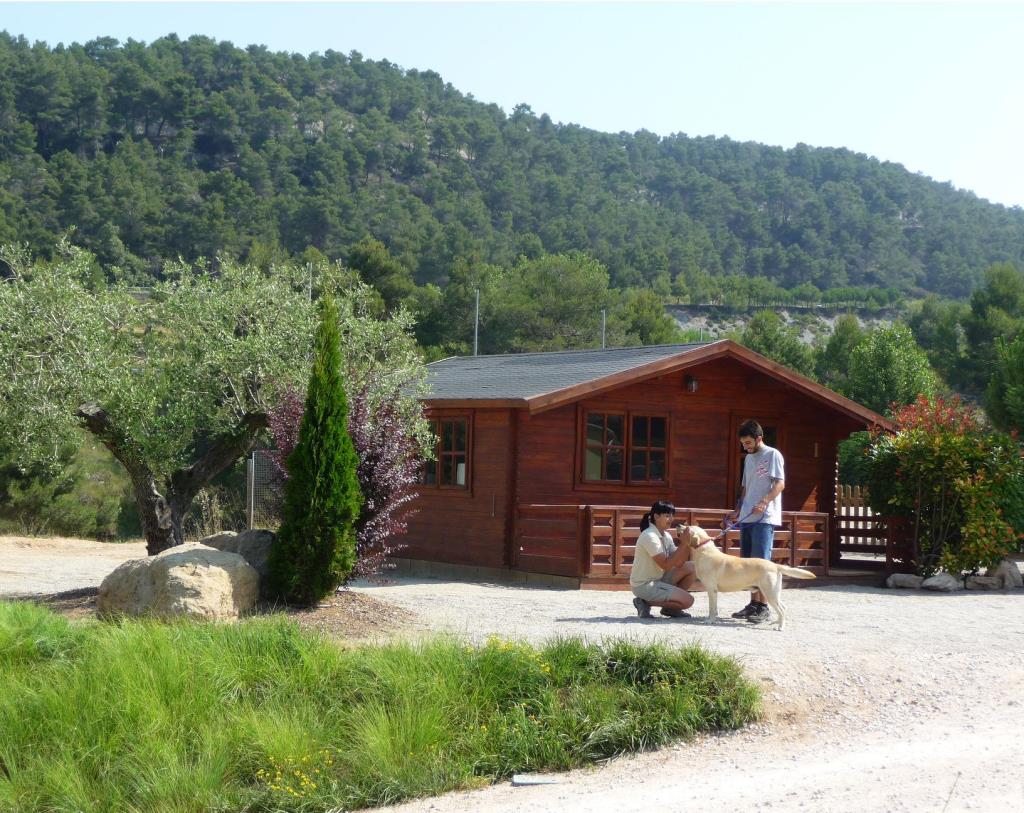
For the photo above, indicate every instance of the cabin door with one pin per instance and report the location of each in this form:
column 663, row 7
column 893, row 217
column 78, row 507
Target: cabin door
column 774, row 435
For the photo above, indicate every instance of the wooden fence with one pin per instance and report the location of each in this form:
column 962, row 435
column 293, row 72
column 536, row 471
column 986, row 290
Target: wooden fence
column 863, row 539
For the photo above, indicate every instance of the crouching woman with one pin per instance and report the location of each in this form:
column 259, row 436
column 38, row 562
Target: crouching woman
column 661, row 569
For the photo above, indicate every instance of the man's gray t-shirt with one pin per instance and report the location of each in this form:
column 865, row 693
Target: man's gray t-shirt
column 759, row 470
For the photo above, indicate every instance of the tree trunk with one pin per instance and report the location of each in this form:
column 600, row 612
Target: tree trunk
column 155, row 515
column 163, row 515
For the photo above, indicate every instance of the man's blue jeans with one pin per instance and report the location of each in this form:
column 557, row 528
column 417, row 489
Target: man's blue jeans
column 756, row 540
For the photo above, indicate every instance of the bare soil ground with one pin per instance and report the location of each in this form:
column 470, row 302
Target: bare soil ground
column 876, row 700
column 64, row 574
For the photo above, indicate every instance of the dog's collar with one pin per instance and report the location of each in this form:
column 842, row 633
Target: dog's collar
column 709, row 539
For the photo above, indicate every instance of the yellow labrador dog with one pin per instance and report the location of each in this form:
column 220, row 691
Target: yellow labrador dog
column 719, row 571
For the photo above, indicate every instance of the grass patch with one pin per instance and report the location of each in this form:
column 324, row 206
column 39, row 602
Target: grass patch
column 257, row 716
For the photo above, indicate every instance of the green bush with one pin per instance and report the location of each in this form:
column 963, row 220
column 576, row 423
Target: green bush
column 315, row 548
column 188, row 717
column 81, row 495
column 887, row 369
column 853, row 459
column 960, row 485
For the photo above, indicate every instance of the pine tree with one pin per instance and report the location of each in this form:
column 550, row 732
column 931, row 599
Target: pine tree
column 315, row 549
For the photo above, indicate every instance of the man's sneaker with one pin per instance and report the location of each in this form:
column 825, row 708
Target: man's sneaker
column 759, row 615
column 745, row 612
column 643, row 609
column 669, row 612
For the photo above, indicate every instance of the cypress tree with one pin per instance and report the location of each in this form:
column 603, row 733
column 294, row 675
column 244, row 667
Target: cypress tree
column 315, row 549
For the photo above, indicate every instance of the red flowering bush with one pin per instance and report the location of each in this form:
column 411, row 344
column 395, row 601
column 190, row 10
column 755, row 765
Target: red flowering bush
column 961, row 485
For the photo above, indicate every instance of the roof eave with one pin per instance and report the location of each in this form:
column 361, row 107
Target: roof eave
column 475, row 403
column 840, row 403
column 700, row 355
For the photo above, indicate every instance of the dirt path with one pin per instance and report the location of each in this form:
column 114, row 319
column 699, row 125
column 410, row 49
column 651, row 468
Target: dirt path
column 30, row 565
column 877, row 700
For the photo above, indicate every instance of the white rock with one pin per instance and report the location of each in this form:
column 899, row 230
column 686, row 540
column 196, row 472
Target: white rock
column 983, row 583
column 1009, row 572
column 524, row 779
column 188, row 580
column 943, row 582
column 908, row 580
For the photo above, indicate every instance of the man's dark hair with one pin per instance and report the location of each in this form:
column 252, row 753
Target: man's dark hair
column 750, row 429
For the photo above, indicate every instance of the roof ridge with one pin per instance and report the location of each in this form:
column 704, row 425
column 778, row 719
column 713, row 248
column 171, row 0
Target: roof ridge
column 575, row 352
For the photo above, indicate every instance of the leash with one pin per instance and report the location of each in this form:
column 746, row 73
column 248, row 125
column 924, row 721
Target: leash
column 732, row 526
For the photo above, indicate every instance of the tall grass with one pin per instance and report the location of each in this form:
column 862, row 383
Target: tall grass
column 144, row 716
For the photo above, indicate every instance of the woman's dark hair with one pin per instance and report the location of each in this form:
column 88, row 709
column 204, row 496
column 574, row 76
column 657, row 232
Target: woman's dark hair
column 660, row 507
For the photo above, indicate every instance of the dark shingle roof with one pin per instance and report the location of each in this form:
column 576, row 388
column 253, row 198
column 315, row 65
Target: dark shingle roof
column 527, row 375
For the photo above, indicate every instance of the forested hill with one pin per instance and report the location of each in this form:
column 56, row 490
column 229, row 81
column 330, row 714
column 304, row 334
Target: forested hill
column 194, row 148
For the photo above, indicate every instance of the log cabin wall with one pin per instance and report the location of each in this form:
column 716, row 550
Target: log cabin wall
column 469, row 526
column 704, row 450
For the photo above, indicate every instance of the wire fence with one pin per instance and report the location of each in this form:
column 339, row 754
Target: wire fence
column 262, row 491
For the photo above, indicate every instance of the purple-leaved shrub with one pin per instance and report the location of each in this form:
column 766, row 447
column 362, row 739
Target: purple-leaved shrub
column 388, row 469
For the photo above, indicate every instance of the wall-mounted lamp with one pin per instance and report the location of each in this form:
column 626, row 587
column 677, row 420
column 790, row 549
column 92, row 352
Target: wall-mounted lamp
column 690, row 383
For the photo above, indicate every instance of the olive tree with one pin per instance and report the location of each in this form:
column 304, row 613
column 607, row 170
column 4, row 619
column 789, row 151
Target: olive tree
column 177, row 382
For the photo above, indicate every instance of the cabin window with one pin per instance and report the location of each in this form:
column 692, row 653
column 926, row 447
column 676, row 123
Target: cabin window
column 625, row 447
column 647, row 449
column 605, row 447
column 450, row 467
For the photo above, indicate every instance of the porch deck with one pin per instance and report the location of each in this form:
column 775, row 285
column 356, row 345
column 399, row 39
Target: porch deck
column 596, row 543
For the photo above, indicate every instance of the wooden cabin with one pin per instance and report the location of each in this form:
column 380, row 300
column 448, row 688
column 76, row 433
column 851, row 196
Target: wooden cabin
column 546, row 461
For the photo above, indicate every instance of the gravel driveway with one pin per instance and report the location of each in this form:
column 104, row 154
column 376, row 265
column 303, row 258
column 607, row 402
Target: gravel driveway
column 877, row 700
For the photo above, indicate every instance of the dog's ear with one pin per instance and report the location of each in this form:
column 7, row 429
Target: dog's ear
column 696, row 536
column 688, row 536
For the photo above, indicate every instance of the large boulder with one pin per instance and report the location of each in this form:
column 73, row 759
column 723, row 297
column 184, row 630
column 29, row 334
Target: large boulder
column 189, row 580
column 1008, row 573
column 906, row 580
column 253, row 546
column 943, row 582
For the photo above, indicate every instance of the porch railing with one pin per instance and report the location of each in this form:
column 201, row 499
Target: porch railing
column 599, row 541
column 610, row 533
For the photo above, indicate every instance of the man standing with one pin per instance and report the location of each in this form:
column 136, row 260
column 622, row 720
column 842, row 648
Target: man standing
column 760, row 508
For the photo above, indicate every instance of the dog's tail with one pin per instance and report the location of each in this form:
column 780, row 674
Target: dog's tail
column 796, row 572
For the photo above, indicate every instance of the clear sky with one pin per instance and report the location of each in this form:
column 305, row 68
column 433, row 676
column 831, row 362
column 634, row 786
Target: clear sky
column 938, row 88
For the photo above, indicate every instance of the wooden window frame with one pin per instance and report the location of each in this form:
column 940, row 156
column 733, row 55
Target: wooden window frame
column 582, row 417
column 624, row 445
column 436, row 420
column 631, row 447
